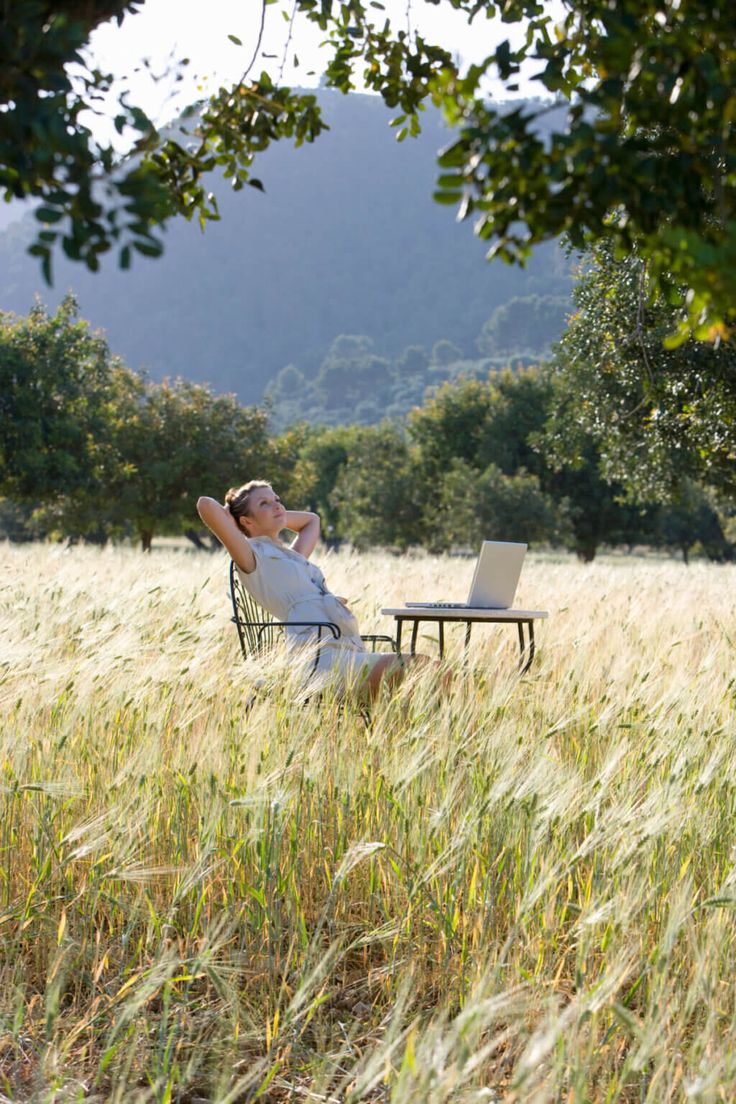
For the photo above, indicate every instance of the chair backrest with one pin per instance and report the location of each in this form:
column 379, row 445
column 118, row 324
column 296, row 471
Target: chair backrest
column 256, row 627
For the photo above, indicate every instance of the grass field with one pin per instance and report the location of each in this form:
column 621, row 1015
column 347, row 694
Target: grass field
column 512, row 890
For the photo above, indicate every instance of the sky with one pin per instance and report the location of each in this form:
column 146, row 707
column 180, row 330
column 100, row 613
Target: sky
column 145, row 50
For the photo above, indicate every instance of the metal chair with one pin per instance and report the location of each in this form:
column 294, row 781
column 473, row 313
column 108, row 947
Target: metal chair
column 257, row 629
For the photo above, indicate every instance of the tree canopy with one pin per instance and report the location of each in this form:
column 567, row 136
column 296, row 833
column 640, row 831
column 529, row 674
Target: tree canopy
column 99, row 450
column 660, row 417
column 642, row 152
column 58, row 381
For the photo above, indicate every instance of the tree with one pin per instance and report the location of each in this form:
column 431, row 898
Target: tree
column 287, row 396
column 414, row 361
column 282, row 462
column 88, row 201
column 497, row 425
column 645, row 132
column 378, row 495
column 58, row 383
column 474, row 448
column 450, row 425
column 179, row 441
column 97, row 450
column 644, row 155
column 15, row 521
column 482, row 422
column 596, row 511
column 289, row 384
column 528, row 323
column 445, row 353
column 323, row 455
column 345, row 381
column 660, row 417
column 476, row 506
column 690, row 521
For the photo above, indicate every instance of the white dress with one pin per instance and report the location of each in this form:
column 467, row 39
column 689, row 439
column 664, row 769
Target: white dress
column 293, row 589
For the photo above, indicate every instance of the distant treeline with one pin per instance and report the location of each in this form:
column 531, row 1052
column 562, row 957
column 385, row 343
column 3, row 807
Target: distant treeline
column 356, row 385
column 92, row 451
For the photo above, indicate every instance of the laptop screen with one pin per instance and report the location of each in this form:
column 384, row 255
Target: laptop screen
column 496, row 575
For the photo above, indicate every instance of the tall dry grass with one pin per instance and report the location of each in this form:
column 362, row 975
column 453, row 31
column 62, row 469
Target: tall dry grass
column 509, row 890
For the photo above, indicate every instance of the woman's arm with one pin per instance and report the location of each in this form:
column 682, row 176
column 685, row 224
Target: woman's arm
column 306, row 526
column 228, row 532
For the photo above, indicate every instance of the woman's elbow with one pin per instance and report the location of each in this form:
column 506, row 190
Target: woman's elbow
column 203, row 505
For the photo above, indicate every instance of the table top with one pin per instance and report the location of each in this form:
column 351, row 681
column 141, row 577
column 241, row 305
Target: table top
column 457, row 613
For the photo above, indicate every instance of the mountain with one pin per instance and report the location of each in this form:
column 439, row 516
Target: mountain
column 345, row 240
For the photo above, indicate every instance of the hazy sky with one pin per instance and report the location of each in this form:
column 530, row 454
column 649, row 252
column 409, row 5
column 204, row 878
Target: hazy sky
column 164, row 31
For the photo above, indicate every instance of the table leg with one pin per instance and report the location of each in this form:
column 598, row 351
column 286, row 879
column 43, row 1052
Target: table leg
column 526, row 650
column 530, row 628
column 527, row 647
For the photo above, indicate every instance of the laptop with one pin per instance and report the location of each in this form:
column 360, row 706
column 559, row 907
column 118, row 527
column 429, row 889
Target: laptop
column 494, row 582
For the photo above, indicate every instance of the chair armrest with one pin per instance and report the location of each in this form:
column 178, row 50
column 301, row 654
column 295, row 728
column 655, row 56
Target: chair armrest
column 261, row 625
column 319, row 625
column 334, row 629
column 375, row 637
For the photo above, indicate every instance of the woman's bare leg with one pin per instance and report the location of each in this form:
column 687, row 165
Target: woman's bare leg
column 391, row 669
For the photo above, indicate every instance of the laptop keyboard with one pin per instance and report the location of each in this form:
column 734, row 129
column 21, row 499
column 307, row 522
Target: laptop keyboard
column 436, row 605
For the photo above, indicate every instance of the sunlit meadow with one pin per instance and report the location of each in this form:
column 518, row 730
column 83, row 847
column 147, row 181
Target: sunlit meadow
column 505, row 890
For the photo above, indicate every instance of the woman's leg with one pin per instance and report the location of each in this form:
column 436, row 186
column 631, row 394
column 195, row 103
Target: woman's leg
column 391, row 669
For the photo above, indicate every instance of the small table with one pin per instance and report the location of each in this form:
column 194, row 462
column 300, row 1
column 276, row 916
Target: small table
column 468, row 617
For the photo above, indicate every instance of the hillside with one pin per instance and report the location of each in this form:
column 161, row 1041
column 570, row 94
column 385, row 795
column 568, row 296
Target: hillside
column 346, row 240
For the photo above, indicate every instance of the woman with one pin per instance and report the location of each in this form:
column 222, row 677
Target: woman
column 281, row 579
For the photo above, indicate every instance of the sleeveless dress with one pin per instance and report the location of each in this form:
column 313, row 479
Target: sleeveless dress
column 293, row 589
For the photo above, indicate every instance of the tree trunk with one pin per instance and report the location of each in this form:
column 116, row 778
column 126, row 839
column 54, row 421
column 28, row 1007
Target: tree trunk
column 586, row 552
column 195, row 538
column 146, row 536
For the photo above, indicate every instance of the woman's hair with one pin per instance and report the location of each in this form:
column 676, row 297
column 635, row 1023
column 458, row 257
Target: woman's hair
column 237, row 498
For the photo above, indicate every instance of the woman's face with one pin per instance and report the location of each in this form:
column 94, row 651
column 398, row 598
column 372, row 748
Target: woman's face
column 266, row 513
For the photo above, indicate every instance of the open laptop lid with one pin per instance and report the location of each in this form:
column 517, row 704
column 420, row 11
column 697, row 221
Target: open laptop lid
column 496, row 575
